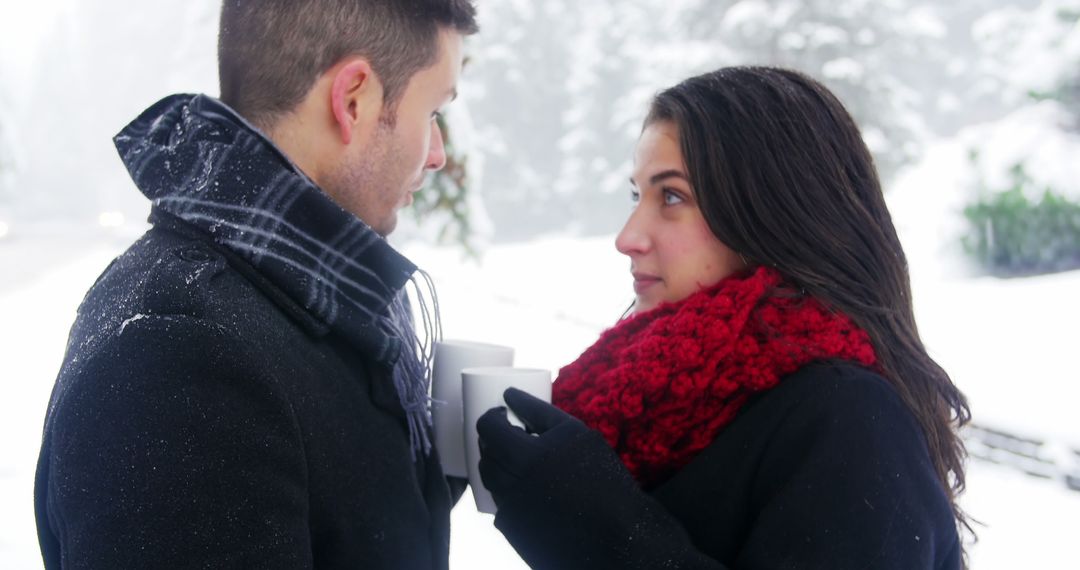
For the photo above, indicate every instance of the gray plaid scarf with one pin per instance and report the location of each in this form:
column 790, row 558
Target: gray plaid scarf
column 199, row 161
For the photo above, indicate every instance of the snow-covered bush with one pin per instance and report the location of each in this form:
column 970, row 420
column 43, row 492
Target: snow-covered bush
column 1013, row 234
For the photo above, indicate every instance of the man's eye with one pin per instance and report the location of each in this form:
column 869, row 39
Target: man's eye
column 672, row 197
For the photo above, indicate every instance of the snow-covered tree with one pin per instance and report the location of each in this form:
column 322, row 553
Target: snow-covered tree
column 608, row 89
column 1025, row 173
column 1036, row 61
column 562, row 89
column 892, row 62
column 518, row 76
column 7, row 163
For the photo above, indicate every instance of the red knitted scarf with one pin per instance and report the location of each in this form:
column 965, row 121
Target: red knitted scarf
column 660, row 385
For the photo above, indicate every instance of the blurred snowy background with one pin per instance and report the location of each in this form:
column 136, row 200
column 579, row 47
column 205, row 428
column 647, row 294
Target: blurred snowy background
column 972, row 108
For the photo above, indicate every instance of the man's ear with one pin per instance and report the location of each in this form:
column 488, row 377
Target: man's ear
column 355, row 95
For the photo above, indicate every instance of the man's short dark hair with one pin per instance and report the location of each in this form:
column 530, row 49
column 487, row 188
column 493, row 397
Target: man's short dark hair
column 270, row 52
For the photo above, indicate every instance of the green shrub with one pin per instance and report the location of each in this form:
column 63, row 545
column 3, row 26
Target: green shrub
column 1011, row 235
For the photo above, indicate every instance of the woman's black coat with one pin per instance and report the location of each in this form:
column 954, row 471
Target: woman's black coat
column 829, row 470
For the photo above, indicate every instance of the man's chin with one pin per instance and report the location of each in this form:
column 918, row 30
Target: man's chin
column 387, row 227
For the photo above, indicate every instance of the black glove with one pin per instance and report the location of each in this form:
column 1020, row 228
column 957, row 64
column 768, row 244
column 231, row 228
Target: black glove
column 508, row 453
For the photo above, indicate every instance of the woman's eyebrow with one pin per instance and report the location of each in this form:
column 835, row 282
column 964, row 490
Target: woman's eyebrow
column 661, row 176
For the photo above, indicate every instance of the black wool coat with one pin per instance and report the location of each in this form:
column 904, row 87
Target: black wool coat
column 237, row 391
column 828, row 470
column 202, row 419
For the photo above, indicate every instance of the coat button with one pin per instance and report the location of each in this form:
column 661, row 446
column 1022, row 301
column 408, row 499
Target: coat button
column 194, row 254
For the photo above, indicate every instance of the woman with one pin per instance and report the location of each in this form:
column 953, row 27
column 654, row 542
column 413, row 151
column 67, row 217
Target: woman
column 768, row 403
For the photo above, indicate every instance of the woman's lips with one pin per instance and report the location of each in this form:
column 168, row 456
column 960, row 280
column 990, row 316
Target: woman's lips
column 644, row 281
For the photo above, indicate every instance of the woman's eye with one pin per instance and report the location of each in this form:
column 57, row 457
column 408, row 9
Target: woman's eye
column 671, row 197
column 635, row 196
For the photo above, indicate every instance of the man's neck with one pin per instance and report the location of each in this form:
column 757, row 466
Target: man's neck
column 293, row 135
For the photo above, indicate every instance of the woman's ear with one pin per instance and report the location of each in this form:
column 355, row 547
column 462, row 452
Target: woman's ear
column 356, row 96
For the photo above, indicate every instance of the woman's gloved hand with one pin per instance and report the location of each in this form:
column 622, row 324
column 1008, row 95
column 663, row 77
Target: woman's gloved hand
column 508, row 453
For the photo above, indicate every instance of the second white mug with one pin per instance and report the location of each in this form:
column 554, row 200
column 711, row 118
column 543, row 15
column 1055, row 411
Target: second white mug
column 482, row 389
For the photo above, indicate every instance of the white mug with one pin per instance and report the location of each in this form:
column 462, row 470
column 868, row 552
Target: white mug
column 482, row 389
column 451, row 356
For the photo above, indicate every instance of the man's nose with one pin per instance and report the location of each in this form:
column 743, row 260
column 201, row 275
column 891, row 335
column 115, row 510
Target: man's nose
column 436, row 158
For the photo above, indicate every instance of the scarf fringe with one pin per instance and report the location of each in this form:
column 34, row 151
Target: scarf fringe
column 413, row 370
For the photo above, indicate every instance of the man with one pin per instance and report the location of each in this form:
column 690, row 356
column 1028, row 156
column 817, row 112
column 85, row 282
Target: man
column 242, row 388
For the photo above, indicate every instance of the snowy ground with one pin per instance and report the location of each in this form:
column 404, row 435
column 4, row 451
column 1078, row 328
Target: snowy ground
column 1010, row 345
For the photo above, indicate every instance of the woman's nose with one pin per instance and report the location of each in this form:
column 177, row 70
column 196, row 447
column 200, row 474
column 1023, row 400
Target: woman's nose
column 634, row 237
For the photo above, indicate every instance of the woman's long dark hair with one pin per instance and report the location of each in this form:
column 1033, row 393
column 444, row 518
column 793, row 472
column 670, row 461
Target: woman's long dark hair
column 783, row 177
